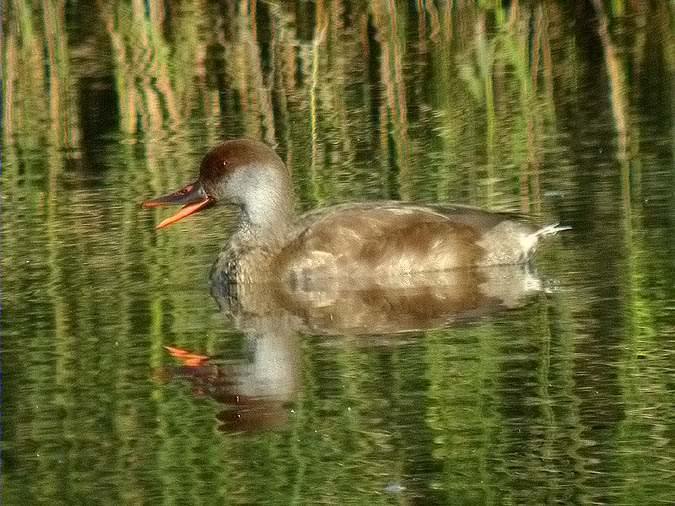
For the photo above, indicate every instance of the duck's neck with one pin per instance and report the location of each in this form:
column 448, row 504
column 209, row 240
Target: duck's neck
column 265, row 220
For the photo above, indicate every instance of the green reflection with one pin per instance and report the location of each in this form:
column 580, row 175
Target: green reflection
column 538, row 108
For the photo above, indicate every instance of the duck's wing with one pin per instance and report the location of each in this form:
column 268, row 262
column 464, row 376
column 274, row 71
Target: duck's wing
column 390, row 238
column 453, row 213
column 474, row 216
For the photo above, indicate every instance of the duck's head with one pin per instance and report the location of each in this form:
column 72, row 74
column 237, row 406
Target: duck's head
column 242, row 172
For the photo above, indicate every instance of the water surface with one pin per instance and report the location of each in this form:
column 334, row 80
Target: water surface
column 549, row 384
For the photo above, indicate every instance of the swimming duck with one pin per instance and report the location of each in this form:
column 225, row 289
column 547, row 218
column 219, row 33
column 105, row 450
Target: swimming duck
column 372, row 240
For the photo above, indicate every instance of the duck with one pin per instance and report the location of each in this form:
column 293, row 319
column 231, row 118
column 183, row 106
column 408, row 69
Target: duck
column 377, row 240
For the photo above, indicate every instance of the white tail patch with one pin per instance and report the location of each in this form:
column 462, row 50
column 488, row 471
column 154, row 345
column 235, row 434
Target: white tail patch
column 529, row 241
column 551, row 230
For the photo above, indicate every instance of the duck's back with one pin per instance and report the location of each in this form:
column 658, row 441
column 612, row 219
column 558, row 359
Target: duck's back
column 388, row 239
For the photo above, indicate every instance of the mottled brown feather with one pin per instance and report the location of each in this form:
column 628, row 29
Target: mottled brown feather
column 386, row 239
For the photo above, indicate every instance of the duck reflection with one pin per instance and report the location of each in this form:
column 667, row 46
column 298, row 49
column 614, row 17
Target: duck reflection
column 258, row 393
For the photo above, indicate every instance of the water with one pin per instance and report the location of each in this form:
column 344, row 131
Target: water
column 548, row 384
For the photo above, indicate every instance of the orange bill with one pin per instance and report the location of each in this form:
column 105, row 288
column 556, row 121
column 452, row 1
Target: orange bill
column 187, row 358
column 192, row 197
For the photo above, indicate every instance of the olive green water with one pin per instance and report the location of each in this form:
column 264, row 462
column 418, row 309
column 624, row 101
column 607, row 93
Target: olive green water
column 566, row 394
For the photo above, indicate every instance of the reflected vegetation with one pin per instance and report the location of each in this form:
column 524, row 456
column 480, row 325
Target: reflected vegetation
column 559, row 110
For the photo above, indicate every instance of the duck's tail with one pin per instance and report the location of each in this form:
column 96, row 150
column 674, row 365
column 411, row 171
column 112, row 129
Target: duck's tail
column 551, row 230
column 530, row 241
